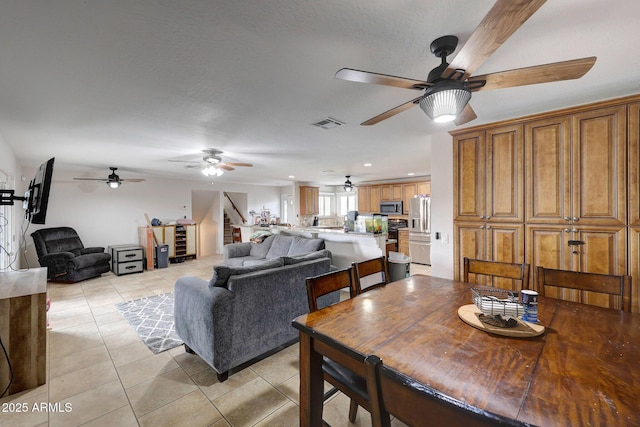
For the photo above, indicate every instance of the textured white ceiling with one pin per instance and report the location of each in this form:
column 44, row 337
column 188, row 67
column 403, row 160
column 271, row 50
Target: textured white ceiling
column 135, row 83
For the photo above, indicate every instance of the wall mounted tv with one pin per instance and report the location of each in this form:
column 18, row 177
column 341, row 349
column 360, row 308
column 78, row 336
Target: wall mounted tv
column 36, row 198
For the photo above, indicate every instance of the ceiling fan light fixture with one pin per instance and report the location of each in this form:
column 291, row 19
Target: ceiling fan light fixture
column 214, row 160
column 212, row 171
column 113, row 184
column 445, row 100
column 348, row 186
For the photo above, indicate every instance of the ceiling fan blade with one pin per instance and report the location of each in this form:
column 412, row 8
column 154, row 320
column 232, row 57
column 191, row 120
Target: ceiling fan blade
column 392, row 112
column 380, row 79
column 225, row 167
column 557, row 71
column 133, row 180
column 91, row 179
column 465, row 116
column 249, row 165
column 185, row 161
column 504, row 18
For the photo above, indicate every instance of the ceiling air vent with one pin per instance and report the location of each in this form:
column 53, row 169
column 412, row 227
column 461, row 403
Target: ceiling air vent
column 328, row 123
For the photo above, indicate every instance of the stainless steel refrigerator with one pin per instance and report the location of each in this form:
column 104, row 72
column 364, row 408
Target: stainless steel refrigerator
column 420, row 230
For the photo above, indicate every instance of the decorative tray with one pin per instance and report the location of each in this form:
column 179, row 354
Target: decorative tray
column 498, row 311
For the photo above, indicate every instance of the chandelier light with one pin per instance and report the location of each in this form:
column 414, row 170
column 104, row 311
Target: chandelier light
column 444, row 101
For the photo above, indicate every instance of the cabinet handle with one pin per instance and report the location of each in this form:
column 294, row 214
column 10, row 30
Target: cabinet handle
column 575, row 219
column 566, row 230
column 566, row 218
column 481, row 227
column 575, row 230
column 481, row 217
column 487, row 217
column 488, row 227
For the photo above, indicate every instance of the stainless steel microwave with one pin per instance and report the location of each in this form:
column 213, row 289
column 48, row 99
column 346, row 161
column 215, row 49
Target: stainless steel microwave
column 391, row 208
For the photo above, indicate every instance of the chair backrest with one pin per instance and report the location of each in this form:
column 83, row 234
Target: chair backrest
column 56, row 239
column 603, row 290
column 329, row 282
column 504, row 275
column 367, row 269
column 391, row 393
column 236, row 234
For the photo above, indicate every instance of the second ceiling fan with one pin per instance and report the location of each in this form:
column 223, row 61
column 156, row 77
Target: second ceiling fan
column 448, row 87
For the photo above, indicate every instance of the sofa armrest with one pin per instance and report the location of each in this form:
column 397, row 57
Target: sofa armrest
column 234, row 250
column 92, row 250
column 57, row 257
column 202, row 317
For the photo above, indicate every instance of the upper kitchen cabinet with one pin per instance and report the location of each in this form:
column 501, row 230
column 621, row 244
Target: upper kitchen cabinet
column 634, row 165
column 424, row 188
column 489, row 175
column 576, row 171
column 599, row 170
column 391, row 192
column 409, row 191
column 309, row 200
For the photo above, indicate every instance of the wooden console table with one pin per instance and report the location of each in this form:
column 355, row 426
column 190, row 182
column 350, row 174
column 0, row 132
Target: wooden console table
column 23, row 328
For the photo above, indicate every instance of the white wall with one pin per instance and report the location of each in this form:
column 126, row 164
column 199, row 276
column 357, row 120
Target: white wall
column 10, row 168
column 104, row 216
column 442, row 204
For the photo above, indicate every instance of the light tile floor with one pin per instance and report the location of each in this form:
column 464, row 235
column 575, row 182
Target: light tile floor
column 99, row 373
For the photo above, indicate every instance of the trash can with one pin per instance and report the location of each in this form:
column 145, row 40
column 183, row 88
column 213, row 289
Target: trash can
column 162, row 256
column 398, row 266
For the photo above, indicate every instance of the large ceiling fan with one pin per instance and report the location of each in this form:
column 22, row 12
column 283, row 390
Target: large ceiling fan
column 448, row 87
column 113, row 180
column 212, row 164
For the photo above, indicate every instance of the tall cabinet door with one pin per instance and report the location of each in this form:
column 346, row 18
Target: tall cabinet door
column 634, row 167
column 599, row 167
column 469, row 176
column 634, row 267
column 546, row 246
column 470, row 242
column 504, row 175
column 548, row 166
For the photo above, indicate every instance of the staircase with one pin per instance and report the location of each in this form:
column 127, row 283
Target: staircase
column 228, row 238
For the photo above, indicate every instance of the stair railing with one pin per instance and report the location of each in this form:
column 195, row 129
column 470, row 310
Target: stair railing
column 233, row 205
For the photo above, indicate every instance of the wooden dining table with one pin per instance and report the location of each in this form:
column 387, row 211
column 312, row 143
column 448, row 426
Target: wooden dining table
column 584, row 370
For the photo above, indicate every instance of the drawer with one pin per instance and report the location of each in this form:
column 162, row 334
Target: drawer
column 127, row 255
column 127, row 267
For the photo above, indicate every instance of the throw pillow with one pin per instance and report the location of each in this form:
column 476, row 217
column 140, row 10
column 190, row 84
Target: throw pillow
column 280, row 246
column 259, row 250
column 221, row 273
column 301, row 245
column 290, row 260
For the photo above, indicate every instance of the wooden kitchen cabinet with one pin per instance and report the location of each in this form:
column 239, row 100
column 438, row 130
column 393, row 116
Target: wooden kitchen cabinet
column 403, row 241
column 634, row 167
column 391, row 192
column 364, row 199
column 309, row 200
column 424, row 188
column 374, row 198
column 489, row 175
column 492, row 242
column 634, row 267
column 409, row 191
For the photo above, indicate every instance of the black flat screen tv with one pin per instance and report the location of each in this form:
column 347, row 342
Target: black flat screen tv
column 37, row 196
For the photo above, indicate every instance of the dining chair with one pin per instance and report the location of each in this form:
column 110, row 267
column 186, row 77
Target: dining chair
column 372, row 269
column 602, row 290
column 502, row 275
column 341, row 378
column 392, row 393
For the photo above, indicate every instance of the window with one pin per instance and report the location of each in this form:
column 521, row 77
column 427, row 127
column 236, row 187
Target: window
column 346, row 203
column 324, row 204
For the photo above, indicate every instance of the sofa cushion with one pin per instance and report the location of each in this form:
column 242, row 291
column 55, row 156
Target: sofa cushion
column 280, row 246
column 290, row 260
column 301, row 245
column 259, row 250
column 221, row 273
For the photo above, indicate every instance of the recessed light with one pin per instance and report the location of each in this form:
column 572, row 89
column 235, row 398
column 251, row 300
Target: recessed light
column 411, row 174
column 291, row 176
column 367, row 164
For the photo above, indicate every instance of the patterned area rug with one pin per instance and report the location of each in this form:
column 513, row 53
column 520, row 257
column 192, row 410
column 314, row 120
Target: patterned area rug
column 152, row 319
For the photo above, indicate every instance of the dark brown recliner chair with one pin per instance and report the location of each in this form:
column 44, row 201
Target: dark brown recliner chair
column 67, row 260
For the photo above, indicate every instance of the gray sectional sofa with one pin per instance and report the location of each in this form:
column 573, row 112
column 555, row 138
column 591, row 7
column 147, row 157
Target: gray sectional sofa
column 245, row 311
column 274, row 246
